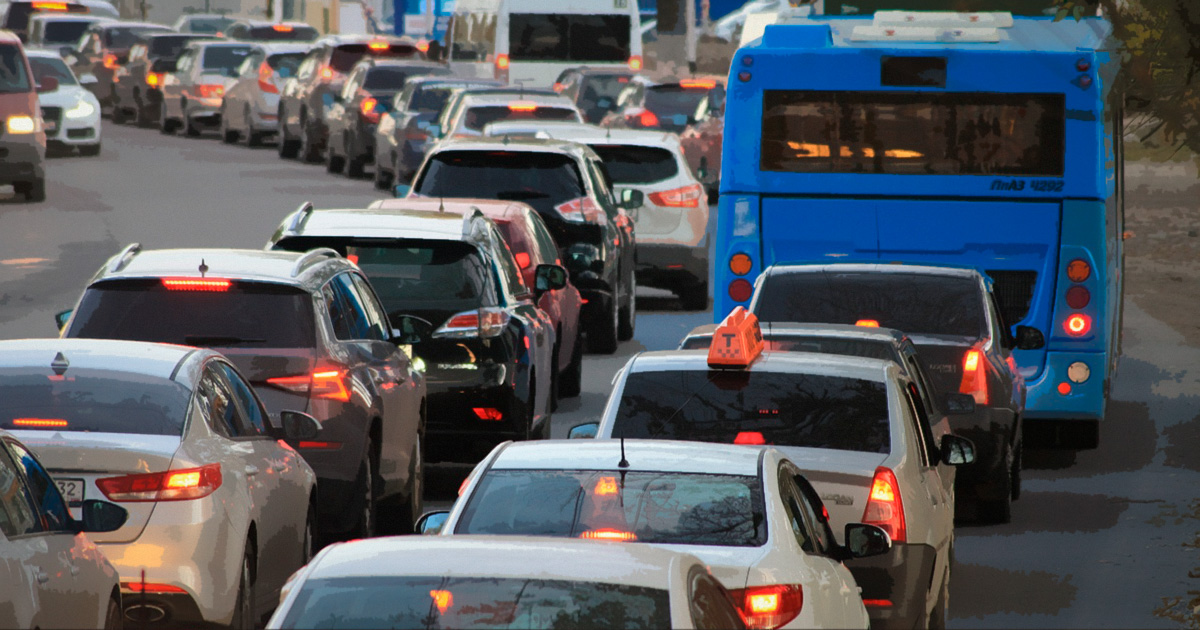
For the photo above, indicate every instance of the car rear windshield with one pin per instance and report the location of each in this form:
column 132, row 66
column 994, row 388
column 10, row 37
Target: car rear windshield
column 17, row 16
column 651, row 507
column 392, row 78
column 674, row 106
column 62, row 32
column 126, row 36
column 914, row 303
column 51, row 67
column 443, row 601
column 285, row 64
column 168, row 45
column 13, row 77
column 345, row 56
column 542, row 180
column 783, row 409
column 413, row 276
column 866, row 348
column 430, row 98
column 247, row 314
column 224, row 59
column 293, row 34
column 208, row 26
column 100, row 401
column 566, row 37
column 477, row 118
column 600, row 91
column 629, row 164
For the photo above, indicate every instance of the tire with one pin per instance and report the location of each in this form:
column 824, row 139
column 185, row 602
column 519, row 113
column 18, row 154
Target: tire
column 119, row 117
column 113, row 619
column 602, row 336
column 35, row 191
column 309, row 151
column 999, row 511
column 570, row 381
column 89, row 150
column 334, row 163
column 228, row 136
column 695, row 297
column 414, row 503
column 1015, row 476
column 383, row 179
column 365, row 504
column 253, row 138
column 288, row 147
column 628, row 318
column 165, row 124
column 243, row 612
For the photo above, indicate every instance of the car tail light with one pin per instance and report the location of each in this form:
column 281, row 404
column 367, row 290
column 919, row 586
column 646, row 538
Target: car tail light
column 867, row 323
column 974, row 376
column 110, row 61
column 502, row 62
column 151, row 587
column 170, row 485
column 609, row 534
column 885, row 508
column 686, row 197
column 877, row 603
column 282, row 28
column 196, row 284
column 326, row 74
column 210, row 90
column 154, row 79
column 1078, row 325
column 330, row 383
column 580, row 210
column 698, row 84
column 741, row 290
column 523, row 259
column 50, row 6
column 769, row 606
column 635, row 63
column 314, row 445
column 522, row 106
column 642, row 118
column 491, row 414
column 558, row 87
column 443, row 599
column 483, row 322
column 423, row 45
column 40, row 423
column 265, row 79
column 377, row 45
column 368, row 110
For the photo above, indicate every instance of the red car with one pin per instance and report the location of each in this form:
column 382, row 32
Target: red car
column 532, row 245
column 701, row 143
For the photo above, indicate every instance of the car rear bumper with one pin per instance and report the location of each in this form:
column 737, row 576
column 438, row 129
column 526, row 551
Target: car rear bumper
column 988, row 429
column 455, row 432
column 894, row 585
column 671, row 266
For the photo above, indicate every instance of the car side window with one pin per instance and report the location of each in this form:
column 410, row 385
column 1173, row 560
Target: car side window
column 603, row 187
column 790, row 496
column 381, row 327
column 251, row 409
column 918, row 424
column 354, row 324
column 216, row 403
column 545, row 242
column 509, row 271
column 928, row 394
column 18, row 516
column 42, row 489
column 711, row 606
column 817, row 515
column 336, row 309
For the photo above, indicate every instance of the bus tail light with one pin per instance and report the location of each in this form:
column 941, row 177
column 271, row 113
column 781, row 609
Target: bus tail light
column 769, row 606
column 740, row 264
column 1078, row 270
column 635, row 63
column 685, row 197
column 974, row 376
column 265, row 76
column 741, row 290
column 1078, row 325
column 885, row 508
column 170, row 485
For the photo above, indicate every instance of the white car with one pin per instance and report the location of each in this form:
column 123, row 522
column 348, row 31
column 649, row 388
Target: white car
column 745, row 512
column 72, row 113
column 39, row 539
column 476, row 111
column 221, row 510
column 856, row 427
column 192, row 95
column 502, row 582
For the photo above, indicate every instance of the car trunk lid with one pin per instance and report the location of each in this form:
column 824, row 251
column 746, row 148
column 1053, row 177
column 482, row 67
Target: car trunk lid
column 841, row 478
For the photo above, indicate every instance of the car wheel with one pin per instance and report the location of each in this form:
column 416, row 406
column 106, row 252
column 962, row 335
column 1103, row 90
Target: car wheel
column 253, row 138
column 365, row 491
column 119, row 117
column 333, row 163
column 165, row 124
column 89, row 150
column 243, row 612
column 570, row 382
column 383, row 179
column 228, row 136
column 288, row 146
column 112, row 616
column 602, row 336
column 309, row 151
column 695, row 297
column 34, row 191
column 1000, row 510
column 629, row 313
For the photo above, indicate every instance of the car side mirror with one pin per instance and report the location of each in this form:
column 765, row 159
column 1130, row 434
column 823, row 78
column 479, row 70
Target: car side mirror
column 549, row 278
column 47, row 84
column 631, row 199
column 410, row 329
column 401, row 191
column 62, row 317
column 298, row 425
column 1030, row 338
column 957, row 450
column 100, row 517
column 864, row 541
column 88, row 79
column 585, row 431
column 960, row 404
column 431, row 523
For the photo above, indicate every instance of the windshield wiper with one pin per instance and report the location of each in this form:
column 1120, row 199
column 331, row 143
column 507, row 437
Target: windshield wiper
column 218, row 340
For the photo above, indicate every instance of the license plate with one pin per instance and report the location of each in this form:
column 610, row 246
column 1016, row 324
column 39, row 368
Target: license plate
column 72, row 491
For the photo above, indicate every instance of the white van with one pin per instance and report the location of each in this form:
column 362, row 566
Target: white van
column 531, row 42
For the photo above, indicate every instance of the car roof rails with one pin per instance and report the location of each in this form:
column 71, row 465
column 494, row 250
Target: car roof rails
column 122, row 259
column 311, row 257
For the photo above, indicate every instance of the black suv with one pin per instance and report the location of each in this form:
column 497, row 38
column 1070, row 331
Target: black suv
column 565, row 182
column 309, row 333
column 320, row 77
column 450, row 280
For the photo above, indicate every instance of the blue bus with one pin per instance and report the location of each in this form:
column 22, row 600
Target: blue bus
column 977, row 140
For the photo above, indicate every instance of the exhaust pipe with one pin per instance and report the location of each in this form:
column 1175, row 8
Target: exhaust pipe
column 145, row 613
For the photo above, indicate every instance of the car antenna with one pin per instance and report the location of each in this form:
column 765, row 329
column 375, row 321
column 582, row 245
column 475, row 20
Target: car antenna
column 624, row 463
column 203, row 268
column 441, row 204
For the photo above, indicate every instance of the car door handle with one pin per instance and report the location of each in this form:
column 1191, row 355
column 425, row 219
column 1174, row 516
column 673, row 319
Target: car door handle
column 42, row 577
column 251, row 470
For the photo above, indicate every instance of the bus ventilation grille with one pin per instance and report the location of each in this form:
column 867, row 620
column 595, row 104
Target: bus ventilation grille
column 1014, row 291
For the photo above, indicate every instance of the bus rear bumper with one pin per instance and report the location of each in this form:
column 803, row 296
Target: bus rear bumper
column 1045, row 397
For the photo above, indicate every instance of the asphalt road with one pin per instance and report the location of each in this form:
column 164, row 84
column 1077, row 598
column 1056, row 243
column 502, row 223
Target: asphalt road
column 1097, row 539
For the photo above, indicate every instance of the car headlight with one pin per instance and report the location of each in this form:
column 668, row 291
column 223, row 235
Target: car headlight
column 82, row 109
column 21, row 124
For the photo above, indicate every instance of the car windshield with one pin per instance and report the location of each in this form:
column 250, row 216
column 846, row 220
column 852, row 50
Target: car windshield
column 867, row 348
column 91, row 400
column 428, row 278
column 13, row 77
column 543, row 180
column 244, row 314
column 651, row 507
column 598, row 94
column 629, row 164
column 673, row 105
column 443, row 601
column 208, row 25
column 51, row 67
column 756, row 406
column 914, row 303
column 476, row 118
column 432, row 97
column 224, row 59
column 120, row 37
column 63, row 32
column 283, row 33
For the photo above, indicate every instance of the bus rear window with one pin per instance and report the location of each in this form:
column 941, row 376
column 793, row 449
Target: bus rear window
column 560, row 37
column 913, row 133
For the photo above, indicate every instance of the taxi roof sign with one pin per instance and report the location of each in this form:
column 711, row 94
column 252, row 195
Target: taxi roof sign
column 737, row 341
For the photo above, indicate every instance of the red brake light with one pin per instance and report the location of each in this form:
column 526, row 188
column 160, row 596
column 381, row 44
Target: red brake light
column 1078, row 325
column 769, row 606
column 490, row 414
column 39, row 423
column 110, row 60
column 749, row 437
column 522, row 106
column 327, row 383
column 686, row 197
column 368, row 110
column 196, row 284
column 702, row 84
column 171, row 485
column 635, row 63
column 885, row 508
column 867, row 323
column 320, row 446
column 877, row 603
column 326, row 73
column 50, row 6
column 423, row 45
column 151, row 587
column 282, row 28
column 645, row 118
column 210, row 90
column 442, row 599
column 580, row 210
column 154, row 79
column 974, row 376
column 609, row 534
column 265, row 76
column 502, row 62
column 605, row 486
column 377, row 45
column 522, row 259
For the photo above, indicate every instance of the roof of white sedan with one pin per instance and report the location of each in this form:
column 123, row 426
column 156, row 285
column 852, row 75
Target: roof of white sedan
column 838, row 331
column 424, row 223
column 247, row 264
column 591, row 134
column 932, row 270
column 500, row 556
column 134, row 357
column 530, row 145
column 485, row 99
column 793, row 362
column 642, row 455
column 44, row 53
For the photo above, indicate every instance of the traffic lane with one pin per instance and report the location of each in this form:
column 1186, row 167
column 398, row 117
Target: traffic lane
column 161, row 191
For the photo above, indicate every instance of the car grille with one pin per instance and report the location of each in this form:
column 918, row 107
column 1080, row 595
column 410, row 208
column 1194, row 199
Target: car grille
column 80, row 134
column 1014, row 291
column 53, row 119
